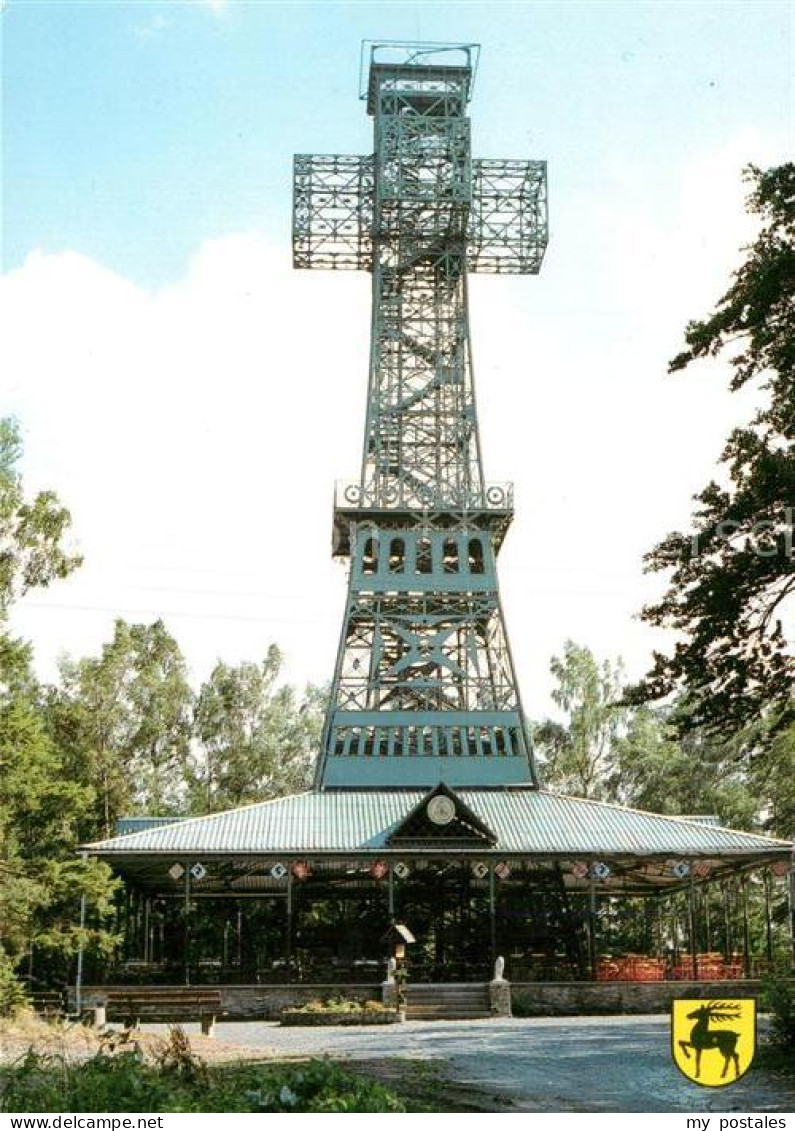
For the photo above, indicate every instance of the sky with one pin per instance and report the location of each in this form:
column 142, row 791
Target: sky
column 192, row 398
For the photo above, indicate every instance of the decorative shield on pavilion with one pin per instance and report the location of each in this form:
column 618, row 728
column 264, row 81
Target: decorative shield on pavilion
column 301, row 870
column 198, row 871
column 278, row 871
column 702, row 869
column 713, row 1042
column 600, row 870
column 379, row 870
column 780, row 868
column 480, row 870
column 401, row 870
column 680, row 869
column 176, row 871
column 502, row 870
column 579, row 870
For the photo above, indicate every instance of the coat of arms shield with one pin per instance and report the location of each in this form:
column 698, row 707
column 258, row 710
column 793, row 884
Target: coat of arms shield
column 713, row 1042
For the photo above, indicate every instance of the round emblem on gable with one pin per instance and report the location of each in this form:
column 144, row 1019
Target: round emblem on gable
column 440, row 810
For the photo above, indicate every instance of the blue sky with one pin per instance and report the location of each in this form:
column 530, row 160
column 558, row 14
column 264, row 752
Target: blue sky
column 192, row 398
column 134, row 130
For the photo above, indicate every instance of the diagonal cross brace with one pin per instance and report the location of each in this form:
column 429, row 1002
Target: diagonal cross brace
column 334, row 214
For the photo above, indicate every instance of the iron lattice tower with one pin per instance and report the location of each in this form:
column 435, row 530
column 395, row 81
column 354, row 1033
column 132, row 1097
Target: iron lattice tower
column 424, row 688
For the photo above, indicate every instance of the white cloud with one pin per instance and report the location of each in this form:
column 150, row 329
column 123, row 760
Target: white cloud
column 195, row 431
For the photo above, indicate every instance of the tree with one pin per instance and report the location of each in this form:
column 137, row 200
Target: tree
column 124, row 720
column 256, row 738
column 578, row 757
column 657, row 770
column 41, row 876
column 31, row 531
column 732, row 582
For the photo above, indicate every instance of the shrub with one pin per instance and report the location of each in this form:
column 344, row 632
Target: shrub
column 12, row 992
column 778, row 996
column 123, row 1082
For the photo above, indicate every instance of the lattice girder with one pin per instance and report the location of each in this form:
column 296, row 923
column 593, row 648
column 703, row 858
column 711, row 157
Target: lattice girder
column 504, row 232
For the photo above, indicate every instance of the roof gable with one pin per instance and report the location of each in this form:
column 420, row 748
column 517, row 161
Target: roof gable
column 450, row 823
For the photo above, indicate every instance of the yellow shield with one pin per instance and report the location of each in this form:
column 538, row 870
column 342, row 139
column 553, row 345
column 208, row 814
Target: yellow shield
column 713, row 1041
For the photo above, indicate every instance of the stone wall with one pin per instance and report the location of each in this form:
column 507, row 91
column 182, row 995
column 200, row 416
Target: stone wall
column 551, row 999
column 252, row 1002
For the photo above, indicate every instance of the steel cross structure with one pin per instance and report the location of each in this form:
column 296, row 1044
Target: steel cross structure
column 424, row 688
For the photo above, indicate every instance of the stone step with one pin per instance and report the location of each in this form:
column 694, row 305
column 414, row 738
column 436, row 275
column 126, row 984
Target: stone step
column 454, row 1001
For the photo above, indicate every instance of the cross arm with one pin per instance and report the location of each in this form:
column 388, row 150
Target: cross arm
column 508, row 221
column 334, row 204
column 333, row 211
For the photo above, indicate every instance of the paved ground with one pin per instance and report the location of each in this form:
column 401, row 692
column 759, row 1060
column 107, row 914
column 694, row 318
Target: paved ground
column 542, row 1064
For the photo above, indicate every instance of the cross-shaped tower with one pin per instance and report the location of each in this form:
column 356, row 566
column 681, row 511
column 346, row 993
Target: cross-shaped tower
column 424, row 688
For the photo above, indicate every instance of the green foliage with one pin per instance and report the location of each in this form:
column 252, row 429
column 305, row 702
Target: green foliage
column 339, row 1005
column 257, row 739
column 732, row 581
column 12, row 992
column 124, row 721
column 124, row 1083
column 778, row 998
column 31, row 530
column 578, row 757
column 659, row 771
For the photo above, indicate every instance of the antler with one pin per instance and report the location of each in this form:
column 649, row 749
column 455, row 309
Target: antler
column 723, row 1010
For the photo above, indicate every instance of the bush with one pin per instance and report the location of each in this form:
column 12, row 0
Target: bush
column 778, row 996
column 123, row 1082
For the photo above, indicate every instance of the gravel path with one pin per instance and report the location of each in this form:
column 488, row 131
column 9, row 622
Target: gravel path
column 542, row 1064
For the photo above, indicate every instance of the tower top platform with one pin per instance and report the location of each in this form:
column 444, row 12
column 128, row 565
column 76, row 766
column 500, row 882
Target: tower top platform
column 426, row 63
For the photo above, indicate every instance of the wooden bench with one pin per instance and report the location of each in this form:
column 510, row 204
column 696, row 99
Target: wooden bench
column 134, row 1004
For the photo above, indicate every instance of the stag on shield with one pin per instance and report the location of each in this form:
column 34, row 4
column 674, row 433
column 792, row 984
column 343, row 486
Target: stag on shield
column 703, row 1038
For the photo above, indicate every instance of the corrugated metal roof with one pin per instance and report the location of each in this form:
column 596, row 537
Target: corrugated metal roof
column 126, row 825
column 527, row 821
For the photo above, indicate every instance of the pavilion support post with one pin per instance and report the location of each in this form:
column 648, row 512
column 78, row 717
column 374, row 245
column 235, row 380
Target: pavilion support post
column 492, row 916
column 147, row 948
column 79, row 971
column 705, row 893
column 727, row 924
column 288, row 929
column 691, row 909
column 792, row 910
column 391, row 895
column 768, row 917
column 186, row 939
column 746, row 929
column 592, row 926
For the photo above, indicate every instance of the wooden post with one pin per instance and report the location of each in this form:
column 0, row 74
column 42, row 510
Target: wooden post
column 746, row 930
column 391, row 895
column 705, row 893
column 691, row 906
column 792, row 909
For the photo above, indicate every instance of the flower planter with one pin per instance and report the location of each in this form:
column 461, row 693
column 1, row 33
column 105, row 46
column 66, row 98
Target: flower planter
column 319, row 1018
